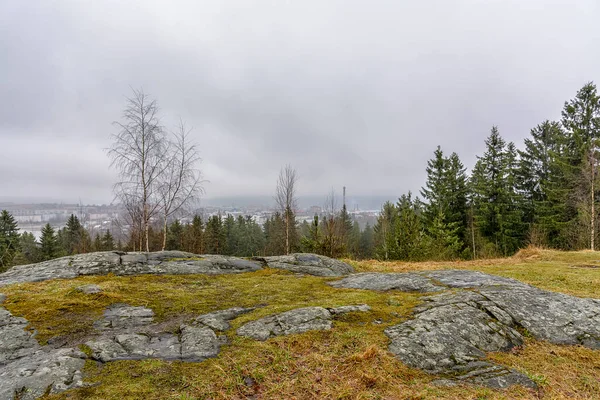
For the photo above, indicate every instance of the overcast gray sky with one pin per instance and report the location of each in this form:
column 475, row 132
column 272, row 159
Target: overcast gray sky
column 354, row 93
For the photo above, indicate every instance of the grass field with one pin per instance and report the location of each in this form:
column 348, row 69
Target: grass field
column 349, row 362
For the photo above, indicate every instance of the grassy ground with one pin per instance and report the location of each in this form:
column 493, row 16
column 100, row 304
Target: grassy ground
column 349, row 362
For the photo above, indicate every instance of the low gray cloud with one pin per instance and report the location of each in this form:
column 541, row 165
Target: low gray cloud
column 354, row 93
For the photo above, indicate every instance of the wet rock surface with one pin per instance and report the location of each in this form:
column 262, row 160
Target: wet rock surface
column 306, row 263
column 405, row 282
column 28, row 370
column 299, row 320
column 128, row 333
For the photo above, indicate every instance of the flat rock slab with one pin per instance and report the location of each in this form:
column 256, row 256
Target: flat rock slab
column 310, row 264
column 405, row 282
column 127, row 334
column 299, row 320
column 28, row 370
column 135, row 263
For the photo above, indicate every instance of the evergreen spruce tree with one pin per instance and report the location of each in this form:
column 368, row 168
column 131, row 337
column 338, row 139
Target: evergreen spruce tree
column 312, row 242
column 445, row 210
column 436, row 189
column 409, row 233
column 108, row 242
column 232, row 236
column 386, row 246
column 581, row 119
column 193, row 236
column 367, row 243
column 537, row 177
column 496, row 202
column 49, row 247
column 275, row 235
column 214, row 235
column 72, row 236
column 97, row 246
column 9, row 240
column 175, row 236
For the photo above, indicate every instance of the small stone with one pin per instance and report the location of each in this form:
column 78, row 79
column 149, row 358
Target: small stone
column 89, row 289
column 2, row 298
column 347, row 309
column 219, row 320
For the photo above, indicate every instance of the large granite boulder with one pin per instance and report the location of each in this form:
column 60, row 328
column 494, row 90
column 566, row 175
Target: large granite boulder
column 306, row 263
column 299, row 320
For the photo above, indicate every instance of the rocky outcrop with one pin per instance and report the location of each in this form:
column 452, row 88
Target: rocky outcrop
column 311, row 264
column 299, row 320
column 128, row 333
column 28, row 370
column 119, row 263
column 451, row 332
column 404, row 282
column 451, row 335
column 167, row 263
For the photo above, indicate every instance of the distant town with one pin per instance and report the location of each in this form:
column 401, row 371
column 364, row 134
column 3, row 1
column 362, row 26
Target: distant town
column 100, row 218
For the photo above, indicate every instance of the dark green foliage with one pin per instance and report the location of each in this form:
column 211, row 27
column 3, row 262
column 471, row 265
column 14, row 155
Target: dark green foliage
column 214, row 235
column 445, row 210
column 49, row 246
column 274, row 235
column 193, row 237
column 30, row 250
column 175, row 236
column 498, row 212
column 367, row 243
column 9, row 240
column 108, row 243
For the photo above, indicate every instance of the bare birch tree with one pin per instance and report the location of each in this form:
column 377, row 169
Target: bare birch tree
column 285, row 197
column 137, row 152
column 181, row 181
